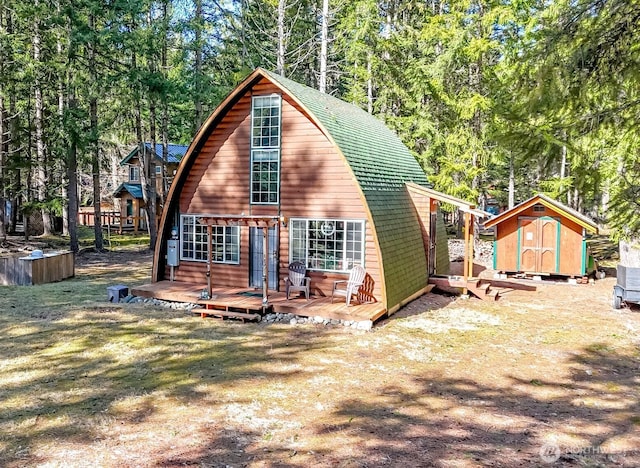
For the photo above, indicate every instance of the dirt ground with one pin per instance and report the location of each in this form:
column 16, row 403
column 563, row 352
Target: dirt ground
column 546, row 377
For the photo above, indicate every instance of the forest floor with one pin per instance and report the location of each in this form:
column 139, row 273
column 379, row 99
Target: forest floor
column 540, row 376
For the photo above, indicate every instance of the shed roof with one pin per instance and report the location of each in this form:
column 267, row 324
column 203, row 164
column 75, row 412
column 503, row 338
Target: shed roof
column 380, row 162
column 135, row 190
column 550, row 203
column 174, row 153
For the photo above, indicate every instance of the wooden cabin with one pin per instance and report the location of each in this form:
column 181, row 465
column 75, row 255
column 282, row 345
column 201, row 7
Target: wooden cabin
column 132, row 205
column 544, row 237
column 284, row 169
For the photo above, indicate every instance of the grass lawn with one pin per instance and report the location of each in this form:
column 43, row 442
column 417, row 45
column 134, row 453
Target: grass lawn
column 445, row 382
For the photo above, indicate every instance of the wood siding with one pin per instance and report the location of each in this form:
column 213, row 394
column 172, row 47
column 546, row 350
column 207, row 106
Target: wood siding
column 424, row 207
column 316, row 182
column 570, row 243
column 49, row 269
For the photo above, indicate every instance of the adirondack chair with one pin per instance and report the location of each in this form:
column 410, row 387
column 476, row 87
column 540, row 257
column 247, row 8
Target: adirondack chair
column 349, row 288
column 297, row 281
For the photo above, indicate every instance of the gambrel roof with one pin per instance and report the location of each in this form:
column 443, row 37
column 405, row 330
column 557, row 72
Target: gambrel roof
column 379, row 161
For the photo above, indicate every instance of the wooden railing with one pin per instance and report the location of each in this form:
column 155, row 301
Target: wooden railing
column 113, row 220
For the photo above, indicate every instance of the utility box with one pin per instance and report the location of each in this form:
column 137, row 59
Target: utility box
column 172, row 253
column 117, row 292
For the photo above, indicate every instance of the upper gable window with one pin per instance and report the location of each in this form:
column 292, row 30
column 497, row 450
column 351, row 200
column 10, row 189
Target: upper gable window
column 265, row 149
column 134, row 173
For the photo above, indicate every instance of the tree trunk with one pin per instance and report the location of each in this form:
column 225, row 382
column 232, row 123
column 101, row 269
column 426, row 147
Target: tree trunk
column 95, row 139
column 3, row 159
column 512, row 181
column 280, row 59
column 369, row 84
column 72, row 181
column 164, row 122
column 41, row 160
column 151, row 198
column 198, row 19
column 324, row 39
column 61, row 104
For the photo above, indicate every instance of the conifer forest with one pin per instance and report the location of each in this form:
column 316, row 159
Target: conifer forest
column 497, row 99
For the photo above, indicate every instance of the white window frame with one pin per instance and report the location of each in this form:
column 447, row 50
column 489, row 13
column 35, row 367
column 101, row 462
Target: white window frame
column 134, row 173
column 158, row 170
column 198, row 245
column 342, row 264
column 265, row 151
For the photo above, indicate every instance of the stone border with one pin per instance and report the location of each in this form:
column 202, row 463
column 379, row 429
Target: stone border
column 268, row 319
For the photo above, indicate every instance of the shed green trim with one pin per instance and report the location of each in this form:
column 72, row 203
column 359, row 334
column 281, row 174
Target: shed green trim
column 584, row 253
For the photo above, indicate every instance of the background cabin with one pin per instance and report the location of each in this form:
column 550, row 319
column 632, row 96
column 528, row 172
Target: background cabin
column 325, row 180
column 542, row 236
column 132, row 205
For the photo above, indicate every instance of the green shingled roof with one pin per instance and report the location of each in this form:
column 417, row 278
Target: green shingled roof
column 381, row 164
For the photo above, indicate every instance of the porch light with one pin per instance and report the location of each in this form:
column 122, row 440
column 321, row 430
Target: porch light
column 283, row 220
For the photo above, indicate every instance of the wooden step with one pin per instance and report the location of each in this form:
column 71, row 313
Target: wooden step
column 222, row 313
column 482, row 290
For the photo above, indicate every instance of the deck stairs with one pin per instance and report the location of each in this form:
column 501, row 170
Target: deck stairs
column 481, row 288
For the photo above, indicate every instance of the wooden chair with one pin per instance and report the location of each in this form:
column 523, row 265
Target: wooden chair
column 297, row 281
column 349, row 288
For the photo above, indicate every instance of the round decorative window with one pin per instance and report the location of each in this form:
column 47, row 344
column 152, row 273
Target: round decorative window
column 327, row 228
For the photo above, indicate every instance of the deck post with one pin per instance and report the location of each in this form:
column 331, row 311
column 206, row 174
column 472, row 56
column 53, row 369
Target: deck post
column 465, row 267
column 209, row 259
column 265, row 266
column 471, row 242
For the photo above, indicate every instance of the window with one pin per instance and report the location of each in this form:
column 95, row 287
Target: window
column 158, row 170
column 225, row 241
column 538, row 208
column 327, row 244
column 134, row 173
column 265, row 150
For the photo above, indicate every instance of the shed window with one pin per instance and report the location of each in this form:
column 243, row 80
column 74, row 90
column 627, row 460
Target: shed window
column 134, row 173
column 327, row 244
column 265, row 149
column 538, row 208
column 194, row 246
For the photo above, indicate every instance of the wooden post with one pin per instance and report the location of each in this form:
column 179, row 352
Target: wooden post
column 265, row 266
column 471, row 239
column 136, row 212
column 209, row 259
column 465, row 267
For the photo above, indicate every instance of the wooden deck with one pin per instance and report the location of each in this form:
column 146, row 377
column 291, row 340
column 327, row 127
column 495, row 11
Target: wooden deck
column 249, row 301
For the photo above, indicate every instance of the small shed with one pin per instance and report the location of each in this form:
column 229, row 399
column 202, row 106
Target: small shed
column 542, row 236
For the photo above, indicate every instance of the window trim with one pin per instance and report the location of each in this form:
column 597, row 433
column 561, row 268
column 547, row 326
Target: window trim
column 224, row 245
column 253, row 149
column 134, row 169
column 363, row 241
